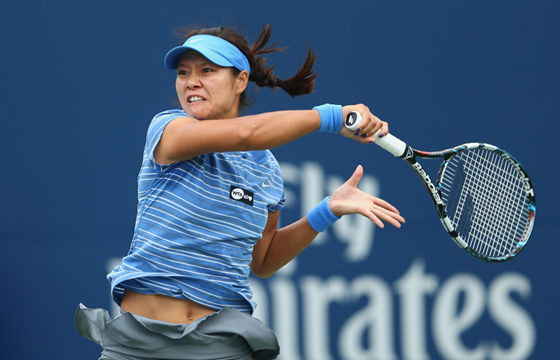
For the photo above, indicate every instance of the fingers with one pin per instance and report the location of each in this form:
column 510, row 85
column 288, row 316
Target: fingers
column 370, row 215
column 388, row 216
column 379, row 215
column 385, row 204
column 376, row 213
column 368, row 127
column 349, row 199
column 380, row 210
column 384, row 129
column 356, row 176
column 373, row 125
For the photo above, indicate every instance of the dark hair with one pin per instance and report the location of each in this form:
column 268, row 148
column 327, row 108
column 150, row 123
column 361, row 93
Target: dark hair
column 301, row 83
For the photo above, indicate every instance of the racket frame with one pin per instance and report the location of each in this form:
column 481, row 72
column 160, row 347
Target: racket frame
column 410, row 155
column 400, row 149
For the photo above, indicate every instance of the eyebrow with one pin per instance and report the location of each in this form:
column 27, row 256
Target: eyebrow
column 203, row 63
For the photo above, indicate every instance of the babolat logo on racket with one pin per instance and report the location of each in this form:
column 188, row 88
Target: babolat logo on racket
column 428, row 182
column 239, row 194
column 409, row 153
column 351, row 119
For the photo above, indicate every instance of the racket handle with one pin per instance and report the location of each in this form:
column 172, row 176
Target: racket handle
column 353, row 120
column 388, row 142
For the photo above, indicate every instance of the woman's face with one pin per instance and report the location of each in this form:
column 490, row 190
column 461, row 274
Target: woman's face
column 206, row 90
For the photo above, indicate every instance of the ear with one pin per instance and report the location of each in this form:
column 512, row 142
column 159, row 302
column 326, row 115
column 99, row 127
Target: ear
column 241, row 81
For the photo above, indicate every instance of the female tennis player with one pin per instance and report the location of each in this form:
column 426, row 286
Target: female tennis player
column 210, row 195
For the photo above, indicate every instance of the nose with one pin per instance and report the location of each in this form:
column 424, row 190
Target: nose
column 193, row 82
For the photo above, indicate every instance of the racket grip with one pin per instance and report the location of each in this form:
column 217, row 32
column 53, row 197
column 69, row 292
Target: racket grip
column 388, row 142
column 392, row 144
column 353, row 120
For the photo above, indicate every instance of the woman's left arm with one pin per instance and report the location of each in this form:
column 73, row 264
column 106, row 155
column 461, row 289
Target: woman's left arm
column 278, row 246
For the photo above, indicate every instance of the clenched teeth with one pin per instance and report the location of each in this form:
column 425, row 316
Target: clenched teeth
column 192, row 99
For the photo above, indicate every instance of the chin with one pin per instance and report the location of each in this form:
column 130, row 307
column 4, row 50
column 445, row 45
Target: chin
column 197, row 113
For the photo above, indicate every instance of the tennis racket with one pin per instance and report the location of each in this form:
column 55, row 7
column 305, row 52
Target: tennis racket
column 483, row 196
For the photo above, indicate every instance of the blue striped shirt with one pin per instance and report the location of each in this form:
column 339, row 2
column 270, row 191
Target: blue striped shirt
column 197, row 222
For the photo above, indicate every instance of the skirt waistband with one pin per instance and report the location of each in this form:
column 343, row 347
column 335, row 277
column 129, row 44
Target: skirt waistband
column 226, row 334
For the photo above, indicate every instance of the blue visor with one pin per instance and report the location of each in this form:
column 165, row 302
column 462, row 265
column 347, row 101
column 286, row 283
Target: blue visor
column 215, row 49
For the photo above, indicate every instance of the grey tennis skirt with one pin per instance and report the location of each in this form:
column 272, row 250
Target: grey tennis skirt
column 227, row 334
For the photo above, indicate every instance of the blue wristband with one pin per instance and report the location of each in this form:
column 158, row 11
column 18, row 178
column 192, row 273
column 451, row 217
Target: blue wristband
column 321, row 216
column 331, row 118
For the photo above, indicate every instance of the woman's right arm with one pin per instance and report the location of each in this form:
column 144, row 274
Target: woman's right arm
column 185, row 137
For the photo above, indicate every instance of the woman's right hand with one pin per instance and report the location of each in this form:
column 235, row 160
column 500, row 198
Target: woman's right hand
column 368, row 127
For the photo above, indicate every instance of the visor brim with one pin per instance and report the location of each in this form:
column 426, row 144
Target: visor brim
column 173, row 56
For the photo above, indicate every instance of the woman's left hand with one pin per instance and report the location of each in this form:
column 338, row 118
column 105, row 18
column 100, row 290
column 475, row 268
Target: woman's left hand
column 348, row 199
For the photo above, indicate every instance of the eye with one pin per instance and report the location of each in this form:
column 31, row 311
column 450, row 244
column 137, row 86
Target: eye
column 207, row 70
column 181, row 72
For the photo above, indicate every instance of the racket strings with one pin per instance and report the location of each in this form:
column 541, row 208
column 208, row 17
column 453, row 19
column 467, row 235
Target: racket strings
column 494, row 216
column 500, row 217
column 486, row 201
column 491, row 217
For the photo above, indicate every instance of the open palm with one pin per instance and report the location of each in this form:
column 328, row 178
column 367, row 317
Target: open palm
column 349, row 199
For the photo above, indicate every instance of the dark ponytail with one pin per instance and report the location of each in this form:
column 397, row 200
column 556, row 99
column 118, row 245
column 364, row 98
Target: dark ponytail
column 262, row 75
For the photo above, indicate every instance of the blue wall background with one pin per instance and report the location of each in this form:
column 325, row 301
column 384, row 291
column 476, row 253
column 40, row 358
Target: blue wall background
column 80, row 81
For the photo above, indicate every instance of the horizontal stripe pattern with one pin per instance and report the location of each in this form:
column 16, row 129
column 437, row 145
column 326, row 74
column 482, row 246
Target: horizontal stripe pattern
column 191, row 240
